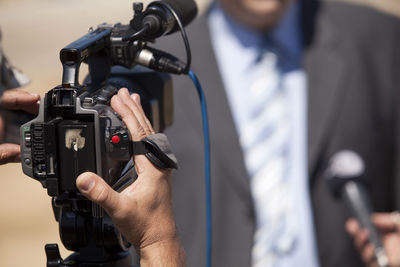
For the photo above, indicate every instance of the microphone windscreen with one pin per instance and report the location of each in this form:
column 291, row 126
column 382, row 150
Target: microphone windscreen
column 186, row 9
column 344, row 166
column 347, row 164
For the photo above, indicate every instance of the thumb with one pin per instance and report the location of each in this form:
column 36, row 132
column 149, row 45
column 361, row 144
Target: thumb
column 97, row 190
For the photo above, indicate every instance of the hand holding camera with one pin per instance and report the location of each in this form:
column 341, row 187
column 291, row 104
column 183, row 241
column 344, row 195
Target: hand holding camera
column 143, row 211
column 14, row 101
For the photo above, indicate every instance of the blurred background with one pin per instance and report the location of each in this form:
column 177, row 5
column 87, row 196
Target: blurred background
column 33, row 33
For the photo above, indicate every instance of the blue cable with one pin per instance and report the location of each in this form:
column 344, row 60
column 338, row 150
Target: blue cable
column 206, row 136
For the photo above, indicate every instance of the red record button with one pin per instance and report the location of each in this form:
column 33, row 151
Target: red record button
column 115, row 139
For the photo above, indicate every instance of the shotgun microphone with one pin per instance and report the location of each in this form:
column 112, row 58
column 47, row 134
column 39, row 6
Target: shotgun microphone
column 159, row 18
column 344, row 178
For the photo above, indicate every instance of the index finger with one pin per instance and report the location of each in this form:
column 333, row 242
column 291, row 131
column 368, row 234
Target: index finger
column 136, row 109
column 135, row 128
column 20, row 100
column 9, row 153
column 386, row 221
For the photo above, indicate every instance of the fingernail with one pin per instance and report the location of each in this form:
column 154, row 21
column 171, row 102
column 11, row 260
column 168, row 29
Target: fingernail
column 34, row 94
column 85, row 182
column 123, row 91
column 136, row 98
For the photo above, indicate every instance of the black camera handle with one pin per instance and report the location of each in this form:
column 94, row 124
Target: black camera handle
column 74, row 54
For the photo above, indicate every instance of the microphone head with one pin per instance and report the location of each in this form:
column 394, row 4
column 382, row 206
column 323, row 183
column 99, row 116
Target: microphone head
column 344, row 166
column 185, row 9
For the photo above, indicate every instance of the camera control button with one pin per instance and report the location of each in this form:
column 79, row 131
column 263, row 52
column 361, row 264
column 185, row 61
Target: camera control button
column 115, row 139
column 28, row 139
column 27, row 161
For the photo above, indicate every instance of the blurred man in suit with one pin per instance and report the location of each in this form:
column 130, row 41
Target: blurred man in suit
column 288, row 84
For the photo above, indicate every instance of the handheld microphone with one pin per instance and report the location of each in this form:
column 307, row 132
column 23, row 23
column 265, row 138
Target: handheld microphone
column 159, row 18
column 344, row 179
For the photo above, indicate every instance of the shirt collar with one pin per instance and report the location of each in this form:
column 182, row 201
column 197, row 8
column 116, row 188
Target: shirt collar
column 286, row 34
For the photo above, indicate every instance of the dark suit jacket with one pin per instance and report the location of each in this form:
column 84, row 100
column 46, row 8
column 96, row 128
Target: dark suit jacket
column 352, row 60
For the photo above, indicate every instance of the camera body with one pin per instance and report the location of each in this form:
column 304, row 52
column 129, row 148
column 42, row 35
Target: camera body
column 76, row 130
column 69, row 137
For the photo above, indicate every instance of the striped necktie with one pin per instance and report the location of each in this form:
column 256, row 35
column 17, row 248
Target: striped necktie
column 265, row 139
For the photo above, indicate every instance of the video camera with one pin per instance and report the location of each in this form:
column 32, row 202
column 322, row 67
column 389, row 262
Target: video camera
column 77, row 131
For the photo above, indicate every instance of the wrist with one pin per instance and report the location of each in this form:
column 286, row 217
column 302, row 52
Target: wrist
column 168, row 252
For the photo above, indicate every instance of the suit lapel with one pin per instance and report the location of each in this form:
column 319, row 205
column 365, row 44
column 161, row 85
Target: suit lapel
column 225, row 146
column 325, row 69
